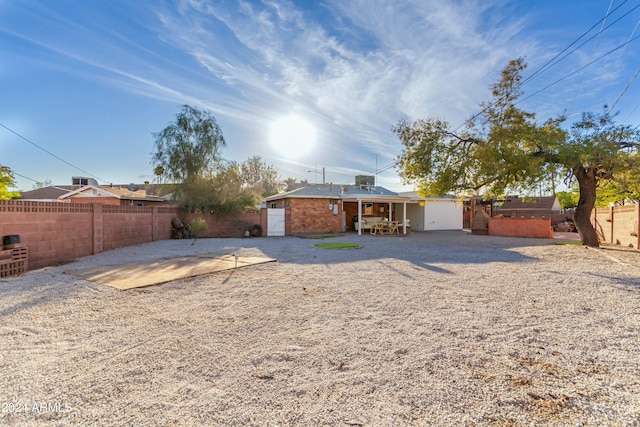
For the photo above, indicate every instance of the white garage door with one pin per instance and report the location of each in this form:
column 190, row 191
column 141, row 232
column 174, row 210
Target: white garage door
column 275, row 222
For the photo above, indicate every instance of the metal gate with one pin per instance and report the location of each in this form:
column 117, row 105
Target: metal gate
column 275, row 222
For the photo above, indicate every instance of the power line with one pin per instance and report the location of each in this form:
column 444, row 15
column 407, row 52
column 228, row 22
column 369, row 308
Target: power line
column 550, row 63
column 579, row 69
column 25, row 177
column 384, row 169
column 51, row 154
column 593, row 50
column 626, row 88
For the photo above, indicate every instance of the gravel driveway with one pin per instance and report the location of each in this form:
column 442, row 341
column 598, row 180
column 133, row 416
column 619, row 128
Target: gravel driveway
column 434, row 328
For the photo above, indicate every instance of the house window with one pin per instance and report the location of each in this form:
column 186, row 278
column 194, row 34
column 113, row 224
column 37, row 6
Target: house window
column 367, row 209
column 273, row 205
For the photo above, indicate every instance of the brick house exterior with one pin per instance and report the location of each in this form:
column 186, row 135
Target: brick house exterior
column 328, row 208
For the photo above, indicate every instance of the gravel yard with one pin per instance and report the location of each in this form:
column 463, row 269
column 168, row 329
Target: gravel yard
column 434, row 328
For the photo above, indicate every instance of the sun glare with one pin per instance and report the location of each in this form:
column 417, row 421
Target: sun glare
column 292, row 136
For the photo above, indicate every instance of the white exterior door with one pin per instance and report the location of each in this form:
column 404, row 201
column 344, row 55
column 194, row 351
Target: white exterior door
column 275, row 222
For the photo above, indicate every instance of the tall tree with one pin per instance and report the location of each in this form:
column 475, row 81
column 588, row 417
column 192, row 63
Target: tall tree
column 189, row 147
column 505, row 150
column 7, row 181
column 260, row 176
column 221, row 191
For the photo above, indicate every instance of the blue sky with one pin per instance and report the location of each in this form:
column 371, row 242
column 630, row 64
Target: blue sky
column 304, row 84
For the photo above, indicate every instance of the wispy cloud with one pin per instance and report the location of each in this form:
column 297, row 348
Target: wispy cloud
column 353, row 68
column 412, row 59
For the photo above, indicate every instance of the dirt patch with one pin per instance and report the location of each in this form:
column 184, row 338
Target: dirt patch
column 431, row 328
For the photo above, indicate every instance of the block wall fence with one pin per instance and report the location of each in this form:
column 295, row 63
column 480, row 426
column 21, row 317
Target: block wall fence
column 618, row 225
column 60, row 232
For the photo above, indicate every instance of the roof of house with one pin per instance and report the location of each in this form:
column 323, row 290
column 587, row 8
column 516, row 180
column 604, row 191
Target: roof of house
column 333, row 191
column 529, row 203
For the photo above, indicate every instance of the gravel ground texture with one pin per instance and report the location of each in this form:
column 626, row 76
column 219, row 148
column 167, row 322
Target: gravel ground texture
column 433, row 328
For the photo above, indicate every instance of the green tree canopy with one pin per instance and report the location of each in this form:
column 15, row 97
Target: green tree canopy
column 6, row 182
column 569, row 199
column 189, row 147
column 505, row 150
column 222, row 191
column 261, row 177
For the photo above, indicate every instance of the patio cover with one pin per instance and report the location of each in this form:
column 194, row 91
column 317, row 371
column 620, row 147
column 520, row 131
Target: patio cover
column 380, row 198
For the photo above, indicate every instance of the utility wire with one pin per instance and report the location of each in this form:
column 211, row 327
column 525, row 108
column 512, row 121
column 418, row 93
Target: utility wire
column 626, row 88
column 579, row 69
column 593, row 50
column 550, row 63
column 25, row 177
column 384, row 169
column 50, row 153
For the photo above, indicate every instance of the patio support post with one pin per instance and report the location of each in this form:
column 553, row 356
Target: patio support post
column 390, row 210
column 404, row 217
column 359, row 217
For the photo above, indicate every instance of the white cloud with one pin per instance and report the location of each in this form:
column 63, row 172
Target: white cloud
column 353, row 73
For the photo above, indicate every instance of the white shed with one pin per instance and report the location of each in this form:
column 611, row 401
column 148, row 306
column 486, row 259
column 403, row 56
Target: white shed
column 434, row 213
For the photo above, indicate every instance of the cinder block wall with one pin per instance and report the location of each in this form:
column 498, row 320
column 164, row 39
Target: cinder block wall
column 618, row 225
column 127, row 226
column 60, row 232
column 229, row 225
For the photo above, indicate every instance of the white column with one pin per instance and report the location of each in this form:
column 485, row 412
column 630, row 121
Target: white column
column 390, row 210
column 404, row 217
column 359, row 217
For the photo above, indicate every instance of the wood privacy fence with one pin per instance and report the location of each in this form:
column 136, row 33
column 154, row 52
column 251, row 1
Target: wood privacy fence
column 60, row 232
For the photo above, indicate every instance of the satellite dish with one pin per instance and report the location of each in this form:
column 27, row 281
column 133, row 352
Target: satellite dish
column 133, row 187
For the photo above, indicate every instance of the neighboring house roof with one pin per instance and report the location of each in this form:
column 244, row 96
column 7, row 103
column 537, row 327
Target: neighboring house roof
column 548, row 203
column 344, row 192
column 131, row 192
column 148, row 192
column 46, row 193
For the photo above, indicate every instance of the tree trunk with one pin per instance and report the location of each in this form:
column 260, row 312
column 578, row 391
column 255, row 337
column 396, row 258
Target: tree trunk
column 582, row 218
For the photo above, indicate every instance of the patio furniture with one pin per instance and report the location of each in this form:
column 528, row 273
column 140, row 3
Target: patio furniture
column 368, row 223
column 385, row 227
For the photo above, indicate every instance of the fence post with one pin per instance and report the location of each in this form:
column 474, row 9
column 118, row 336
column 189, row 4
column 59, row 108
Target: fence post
column 611, row 216
column 154, row 224
column 98, row 228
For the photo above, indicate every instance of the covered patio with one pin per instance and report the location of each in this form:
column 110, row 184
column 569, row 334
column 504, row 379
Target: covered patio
column 384, row 214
